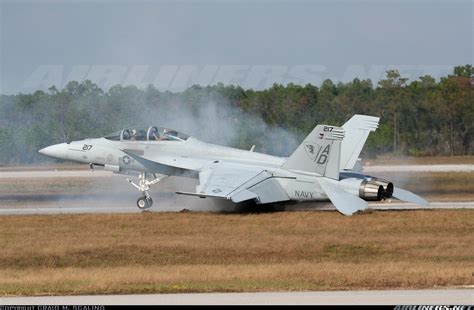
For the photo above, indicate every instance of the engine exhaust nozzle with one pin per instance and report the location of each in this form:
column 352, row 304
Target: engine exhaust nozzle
column 370, row 190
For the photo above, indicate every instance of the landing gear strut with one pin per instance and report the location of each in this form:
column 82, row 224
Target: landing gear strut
column 145, row 201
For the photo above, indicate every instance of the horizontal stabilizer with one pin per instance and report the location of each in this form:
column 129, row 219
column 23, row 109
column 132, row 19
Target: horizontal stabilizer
column 344, row 202
column 408, row 196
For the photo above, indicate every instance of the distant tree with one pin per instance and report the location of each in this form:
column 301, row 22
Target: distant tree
column 391, row 94
column 464, row 71
column 421, row 117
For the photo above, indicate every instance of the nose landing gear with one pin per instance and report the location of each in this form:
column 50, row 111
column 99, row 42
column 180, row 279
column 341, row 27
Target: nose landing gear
column 145, row 201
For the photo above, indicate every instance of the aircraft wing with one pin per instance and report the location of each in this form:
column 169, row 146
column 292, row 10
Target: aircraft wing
column 238, row 183
column 158, row 167
column 177, row 162
column 219, row 179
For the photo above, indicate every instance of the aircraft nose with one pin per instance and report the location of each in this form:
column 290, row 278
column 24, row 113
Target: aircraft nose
column 56, row 150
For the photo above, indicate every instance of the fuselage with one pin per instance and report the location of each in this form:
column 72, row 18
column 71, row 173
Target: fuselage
column 101, row 151
column 108, row 153
column 193, row 154
column 311, row 173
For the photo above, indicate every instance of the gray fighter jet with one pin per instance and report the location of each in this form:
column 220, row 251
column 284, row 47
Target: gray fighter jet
column 321, row 168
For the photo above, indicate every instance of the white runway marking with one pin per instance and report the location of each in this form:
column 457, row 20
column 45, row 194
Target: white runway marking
column 392, row 297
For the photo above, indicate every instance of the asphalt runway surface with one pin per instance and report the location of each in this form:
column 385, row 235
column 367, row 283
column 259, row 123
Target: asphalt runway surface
column 170, row 202
column 393, row 297
column 118, row 196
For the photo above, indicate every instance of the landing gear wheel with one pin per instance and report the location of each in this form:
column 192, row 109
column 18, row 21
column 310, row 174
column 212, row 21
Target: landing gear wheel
column 150, row 201
column 144, row 202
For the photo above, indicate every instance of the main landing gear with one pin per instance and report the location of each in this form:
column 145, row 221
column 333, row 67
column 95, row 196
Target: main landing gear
column 145, row 201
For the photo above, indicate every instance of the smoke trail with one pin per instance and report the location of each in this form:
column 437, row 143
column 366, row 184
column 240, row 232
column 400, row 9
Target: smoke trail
column 218, row 122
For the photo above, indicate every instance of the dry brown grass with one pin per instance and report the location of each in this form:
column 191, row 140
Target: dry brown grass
column 196, row 252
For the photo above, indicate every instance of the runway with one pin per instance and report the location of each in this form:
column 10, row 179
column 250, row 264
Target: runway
column 392, row 297
column 75, row 205
column 97, row 191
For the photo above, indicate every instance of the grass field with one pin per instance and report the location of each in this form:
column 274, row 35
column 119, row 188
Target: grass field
column 201, row 252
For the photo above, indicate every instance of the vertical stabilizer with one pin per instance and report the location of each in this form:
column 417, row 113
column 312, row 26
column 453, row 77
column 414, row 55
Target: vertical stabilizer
column 319, row 153
column 357, row 130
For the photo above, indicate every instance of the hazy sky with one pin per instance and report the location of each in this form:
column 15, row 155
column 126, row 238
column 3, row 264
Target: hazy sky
column 174, row 44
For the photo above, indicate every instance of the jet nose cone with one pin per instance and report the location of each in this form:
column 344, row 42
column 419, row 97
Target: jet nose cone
column 57, row 151
column 44, row 151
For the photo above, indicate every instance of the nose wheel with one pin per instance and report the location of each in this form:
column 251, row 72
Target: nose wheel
column 144, row 202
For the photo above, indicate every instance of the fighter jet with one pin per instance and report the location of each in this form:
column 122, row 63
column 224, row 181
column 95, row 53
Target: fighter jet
column 320, row 169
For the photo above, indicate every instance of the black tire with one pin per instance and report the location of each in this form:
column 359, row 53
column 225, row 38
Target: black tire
column 150, row 201
column 144, row 203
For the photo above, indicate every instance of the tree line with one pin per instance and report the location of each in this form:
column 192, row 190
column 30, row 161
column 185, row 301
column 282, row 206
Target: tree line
column 424, row 117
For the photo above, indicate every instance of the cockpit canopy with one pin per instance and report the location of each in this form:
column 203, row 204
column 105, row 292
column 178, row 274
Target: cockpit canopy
column 152, row 133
